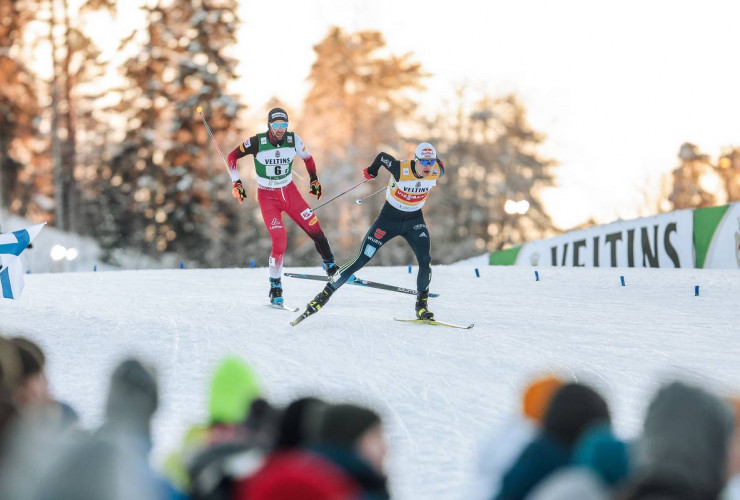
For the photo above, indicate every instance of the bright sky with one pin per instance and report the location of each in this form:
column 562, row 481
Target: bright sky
column 616, row 86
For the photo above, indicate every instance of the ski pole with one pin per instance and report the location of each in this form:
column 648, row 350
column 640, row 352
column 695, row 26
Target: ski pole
column 360, row 200
column 341, row 194
column 199, row 109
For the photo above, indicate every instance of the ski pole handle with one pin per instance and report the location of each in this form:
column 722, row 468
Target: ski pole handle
column 341, row 194
column 360, row 200
column 213, row 139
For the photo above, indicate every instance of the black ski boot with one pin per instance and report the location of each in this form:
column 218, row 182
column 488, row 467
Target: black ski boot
column 422, row 311
column 331, row 268
column 320, row 300
column 276, row 291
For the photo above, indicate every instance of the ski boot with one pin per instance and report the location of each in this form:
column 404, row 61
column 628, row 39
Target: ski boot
column 276, row 291
column 422, row 311
column 331, row 268
column 320, row 300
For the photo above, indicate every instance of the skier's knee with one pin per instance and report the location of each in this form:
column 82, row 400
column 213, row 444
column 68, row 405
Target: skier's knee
column 279, row 247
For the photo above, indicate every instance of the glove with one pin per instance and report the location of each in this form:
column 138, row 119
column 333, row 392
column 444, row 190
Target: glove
column 368, row 174
column 315, row 187
column 238, row 192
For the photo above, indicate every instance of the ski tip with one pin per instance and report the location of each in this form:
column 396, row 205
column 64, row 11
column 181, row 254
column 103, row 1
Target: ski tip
column 299, row 319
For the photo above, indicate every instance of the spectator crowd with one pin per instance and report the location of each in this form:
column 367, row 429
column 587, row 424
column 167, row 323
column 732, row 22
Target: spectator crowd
column 560, row 446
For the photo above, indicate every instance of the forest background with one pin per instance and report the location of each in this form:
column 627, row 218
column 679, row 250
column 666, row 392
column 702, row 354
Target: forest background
column 112, row 147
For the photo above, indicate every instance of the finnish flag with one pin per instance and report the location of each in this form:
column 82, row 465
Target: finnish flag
column 11, row 267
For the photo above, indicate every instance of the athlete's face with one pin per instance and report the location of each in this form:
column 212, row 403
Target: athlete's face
column 425, row 167
column 279, row 128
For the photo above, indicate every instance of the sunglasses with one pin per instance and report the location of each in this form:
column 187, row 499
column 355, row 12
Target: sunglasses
column 428, row 163
column 279, row 126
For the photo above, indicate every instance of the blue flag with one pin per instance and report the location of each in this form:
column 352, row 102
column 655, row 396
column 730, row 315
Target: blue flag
column 12, row 246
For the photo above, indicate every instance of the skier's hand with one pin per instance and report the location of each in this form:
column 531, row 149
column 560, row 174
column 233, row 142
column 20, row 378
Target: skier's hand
column 238, row 192
column 315, row 187
column 368, row 174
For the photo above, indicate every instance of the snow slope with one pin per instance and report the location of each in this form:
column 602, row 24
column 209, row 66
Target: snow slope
column 441, row 391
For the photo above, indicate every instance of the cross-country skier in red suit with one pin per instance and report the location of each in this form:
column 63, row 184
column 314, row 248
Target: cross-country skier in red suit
column 273, row 153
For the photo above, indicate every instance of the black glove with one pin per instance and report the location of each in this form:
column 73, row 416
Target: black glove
column 315, row 187
column 368, row 174
column 237, row 191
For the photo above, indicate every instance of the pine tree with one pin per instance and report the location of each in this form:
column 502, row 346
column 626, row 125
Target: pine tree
column 166, row 183
column 74, row 62
column 693, row 180
column 492, row 159
column 18, row 107
column 728, row 169
column 353, row 110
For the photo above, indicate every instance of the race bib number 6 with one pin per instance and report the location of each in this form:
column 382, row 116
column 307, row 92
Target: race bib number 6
column 275, row 170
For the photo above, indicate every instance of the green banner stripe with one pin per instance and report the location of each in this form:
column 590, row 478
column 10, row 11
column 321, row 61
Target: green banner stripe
column 504, row 257
column 706, row 221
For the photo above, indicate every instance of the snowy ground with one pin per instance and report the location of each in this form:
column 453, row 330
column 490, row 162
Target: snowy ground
column 442, row 391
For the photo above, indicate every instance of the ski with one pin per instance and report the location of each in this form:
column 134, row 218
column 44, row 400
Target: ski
column 283, row 307
column 359, row 282
column 303, row 316
column 435, row 322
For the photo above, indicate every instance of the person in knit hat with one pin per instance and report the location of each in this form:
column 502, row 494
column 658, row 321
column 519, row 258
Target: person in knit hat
column 33, row 387
column 537, row 397
column 501, row 450
column 10, row 374
column 233, row 389
column 37, row 428
column 684, row 447
column 133, row 397
column 351, row 437
column 600, row 464
column 732, row 490
column 113, row 463
column 204, row 461
column 298, row 425
column 573, row 408
column 292, row 471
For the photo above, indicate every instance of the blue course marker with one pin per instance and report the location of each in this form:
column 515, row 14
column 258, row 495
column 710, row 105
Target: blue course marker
column 536, row 276
column 621, row 279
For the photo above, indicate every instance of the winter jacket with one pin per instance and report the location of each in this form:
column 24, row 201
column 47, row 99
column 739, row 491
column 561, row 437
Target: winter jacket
column 298, row 475
column 540, row 458
column 498, row 455
column 372, row 484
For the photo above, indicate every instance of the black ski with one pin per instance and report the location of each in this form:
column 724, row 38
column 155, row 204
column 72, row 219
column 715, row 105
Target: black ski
column 359, row 282
column 303, row 316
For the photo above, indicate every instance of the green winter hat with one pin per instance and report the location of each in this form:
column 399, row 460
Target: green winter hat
column 233, row 388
